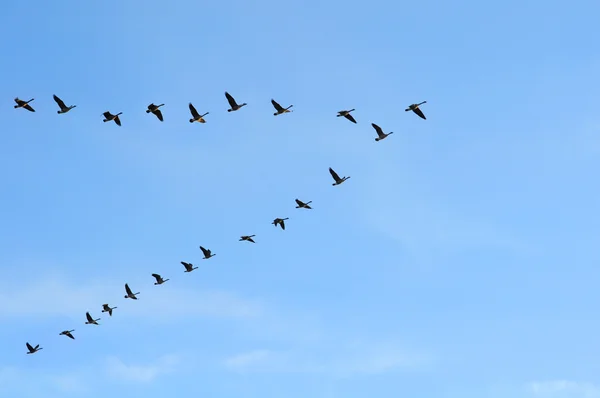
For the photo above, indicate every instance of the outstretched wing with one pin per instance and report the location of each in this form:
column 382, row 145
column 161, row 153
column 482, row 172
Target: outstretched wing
column 419, row 113
column 334, row 174
column 127, row 289
column 60, row 102
column 350, row 117
column 107, row 115
column 158, row 114
column 231, row 100
column 117, row 120
column 29, row 108
column 278, row 107
column 194, row 112
column 156, row 276
column 29, row 347
column 204, row 251
column 89, row 317
column 378, row 129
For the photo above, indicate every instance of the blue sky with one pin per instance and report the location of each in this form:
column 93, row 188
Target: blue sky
column 460, row 260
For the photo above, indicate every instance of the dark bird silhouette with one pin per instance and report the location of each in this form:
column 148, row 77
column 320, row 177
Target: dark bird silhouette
column 109, row 116
column 189, row 267
column 159, row 279
column 130, row 294
column 207, row 253
column 24, row 104
column 196, row 117
column 302, row 205
column 415, row 109
column 90, row 320
column 67, row 333
column 234, row 105
column 380, row 134
column 61, row 105
column 33, row 350
column 248, row 238
column 280, row 222
column 107, row 308
column 280, row 109
column 154, row 109
column 336, row 177
column 347, row 115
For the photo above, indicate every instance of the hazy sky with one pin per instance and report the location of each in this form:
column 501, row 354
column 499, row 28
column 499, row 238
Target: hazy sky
column 459, row 261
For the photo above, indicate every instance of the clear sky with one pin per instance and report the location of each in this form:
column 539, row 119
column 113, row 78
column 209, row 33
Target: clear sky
column 460, row 260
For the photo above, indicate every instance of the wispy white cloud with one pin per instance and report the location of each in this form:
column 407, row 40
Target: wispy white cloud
column 563, row 389
column 138, row 373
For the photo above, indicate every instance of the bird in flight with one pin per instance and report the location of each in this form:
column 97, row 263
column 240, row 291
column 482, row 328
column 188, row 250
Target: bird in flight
column 380, row 134
column 196, row 117
column 33, row 350
column 61, row 105
column 280, row 109
column 207, row 253
column 130, row 294
column 234, row 105
column 336, row 177
column 280, row 222
column 24, row 104
column 248, row 238
column 159, row 279
column 90, row 320
column 189, row 267
column 302, row 205
column 347, row 115
column 155, row 111
column 109, row 116
column 415, row 108
column 67, row 333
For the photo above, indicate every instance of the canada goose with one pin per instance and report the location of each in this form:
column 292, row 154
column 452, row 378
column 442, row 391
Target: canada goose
column 159, row 279
column 90, row 320
column 336, row 177
column 67, row 333
column 302, row 205
column 189, row 267
column 207, row 253
column 196, row 117
column 248, row 238
column 130, row 294
column 61, row 105
column 381, row 135
column 107, row 308
column 234, row 106
column 109, row 116
column 154, row 109
column 279, row 221
column 415, row 109
column 347, row 115
column 279, row 108
column 33, row 350
column 24, row 104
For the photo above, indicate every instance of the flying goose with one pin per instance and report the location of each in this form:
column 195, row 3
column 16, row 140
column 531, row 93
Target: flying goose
column 415, row 109
column 107, row 308
column 24, row 104
column 33, row 350
column 347, row 115
column 280, row 108
column 280, row 222
column 189, row 267
column 67, row 333
column 130, row 294
column 61, row 105
column 380, row 134
column 302, row 205
column 109, row 116
column 247, row 238
column 159, row 279
column 234, row 106
column 196, row 117
column 154, row 109
column 207, row 253
column 90, row 320
column 336, row 177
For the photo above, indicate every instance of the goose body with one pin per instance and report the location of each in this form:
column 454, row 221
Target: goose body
column 233, row 105
column 248, row 238
column 130, row 293
column 67, row 333
column 302, row 205
column 347, row 115
column 336, row 177
column 107, row 308
column 33, row 350
column 155, row 111
column 159, row 279
column 280, row 109
column 380, row 134
column 110, row 117
column 24, row 104
column 280, row 222
column 415, row 108
column 207, row 253
column 189, row 267
column 90, row 320
column 61, row 105
column 196, row 117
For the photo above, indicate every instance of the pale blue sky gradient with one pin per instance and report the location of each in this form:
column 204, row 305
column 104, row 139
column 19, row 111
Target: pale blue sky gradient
column 460, row 260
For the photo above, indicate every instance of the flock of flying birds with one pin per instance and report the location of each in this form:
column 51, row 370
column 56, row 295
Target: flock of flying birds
column 197, row 117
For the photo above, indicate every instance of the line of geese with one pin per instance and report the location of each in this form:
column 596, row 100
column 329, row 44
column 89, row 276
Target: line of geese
column 197, row 117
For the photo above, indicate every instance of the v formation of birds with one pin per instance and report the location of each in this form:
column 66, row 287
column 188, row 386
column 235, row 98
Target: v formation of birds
column 197, row 117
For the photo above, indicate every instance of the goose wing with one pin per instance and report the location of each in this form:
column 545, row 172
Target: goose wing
column 158, row 114
column 350, row 117
column 300, row 203
column 204, row 251
column 335, row 175
column 157, row 277
column 282, row 223
column 278, row 107
column 29, row 347
column 419, row 113
column 128, row 290
column 29, row 108
column 60, row 102
column 89, row 317
column 193, row 111
column 378, row 130
column 231, row 100
column 108, row 115
column 70, row 335
column 117, row 120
